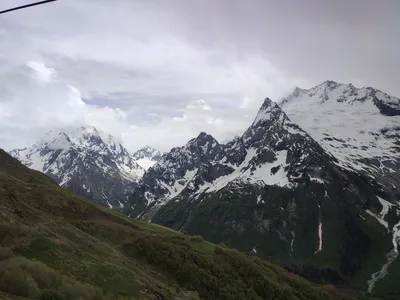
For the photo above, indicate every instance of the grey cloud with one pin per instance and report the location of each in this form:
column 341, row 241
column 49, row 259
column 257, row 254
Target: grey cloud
column 313, row 40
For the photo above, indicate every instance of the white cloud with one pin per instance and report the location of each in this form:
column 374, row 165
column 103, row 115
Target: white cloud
column 245, row 103
column 107, row 73
column 34, row 106
column 42, row 72
column 198, row 105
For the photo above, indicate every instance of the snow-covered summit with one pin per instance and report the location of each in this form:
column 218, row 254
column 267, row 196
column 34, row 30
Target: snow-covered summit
column 330, row 91
column 147, row 156
column 85, row 160
column 359, row 126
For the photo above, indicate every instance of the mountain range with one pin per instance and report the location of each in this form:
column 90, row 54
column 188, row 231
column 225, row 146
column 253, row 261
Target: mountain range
column 90, row 163
column 316, row 188
column 56, row 245
column 313, row 184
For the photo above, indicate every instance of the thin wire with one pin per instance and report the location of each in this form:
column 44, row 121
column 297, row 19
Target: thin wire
column 26, row 6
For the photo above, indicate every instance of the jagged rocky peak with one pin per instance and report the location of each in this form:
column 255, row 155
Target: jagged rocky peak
column 271, row 128
column 297, row 91
column 330, row 83
column 204, row 136
column 147, row 156
column 147, row 152
column 203, row 144
column 85, row 160
column 202, row 139
column 85, row 132
column 56, row 139
column 269, row 111
column 197, row 151
column 267, row 103
column 83, row 136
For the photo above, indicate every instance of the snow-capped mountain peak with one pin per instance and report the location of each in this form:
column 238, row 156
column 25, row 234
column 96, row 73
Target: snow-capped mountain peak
column 269, row 110
column 59, row 142
column 147, row 156
column 85, row 160
column 372, row 99
column 359, row 126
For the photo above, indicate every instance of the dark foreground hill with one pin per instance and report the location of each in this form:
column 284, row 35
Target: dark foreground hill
column 56, row 245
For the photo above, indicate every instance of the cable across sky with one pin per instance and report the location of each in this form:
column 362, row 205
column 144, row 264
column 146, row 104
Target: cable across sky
column 26, row 6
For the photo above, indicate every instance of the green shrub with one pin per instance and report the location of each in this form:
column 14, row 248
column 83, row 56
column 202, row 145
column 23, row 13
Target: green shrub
column 44, row 276
column 15, row 281
column 178, row 289
column 50, row 294
column 227, row 274
column 22, row 277
column 77, row 290
column 218, row 250
column 5, row 253
column 197, row 238
column 192, row 296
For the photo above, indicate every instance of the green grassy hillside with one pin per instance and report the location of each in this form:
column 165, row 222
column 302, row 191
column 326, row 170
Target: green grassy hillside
column 55, row 245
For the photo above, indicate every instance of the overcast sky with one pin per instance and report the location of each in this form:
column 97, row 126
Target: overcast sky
column 159, row 72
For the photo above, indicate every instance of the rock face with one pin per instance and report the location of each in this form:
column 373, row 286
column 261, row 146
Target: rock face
column 86, row 161
column 276, row 191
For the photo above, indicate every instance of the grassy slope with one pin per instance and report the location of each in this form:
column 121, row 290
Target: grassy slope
column 64, row 247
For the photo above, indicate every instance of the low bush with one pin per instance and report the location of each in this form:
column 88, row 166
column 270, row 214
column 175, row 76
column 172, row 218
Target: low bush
column 5, row 253
column 15, row 281
column 20, row 276
column 227, row 274
column 192, row 296
column 197, row 238
column 50, row 294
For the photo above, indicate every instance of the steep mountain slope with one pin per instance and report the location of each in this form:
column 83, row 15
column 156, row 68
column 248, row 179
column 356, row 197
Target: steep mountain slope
column 359, row 126
column 86, row 161
column 276, row 192
column 258, row 158
column 146, row 157
column 56, row 245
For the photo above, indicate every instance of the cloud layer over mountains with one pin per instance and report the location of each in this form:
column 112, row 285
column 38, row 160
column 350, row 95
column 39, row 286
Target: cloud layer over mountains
column 142, row 71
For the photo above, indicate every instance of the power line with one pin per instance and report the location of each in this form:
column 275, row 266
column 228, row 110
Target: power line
column 26, row 6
